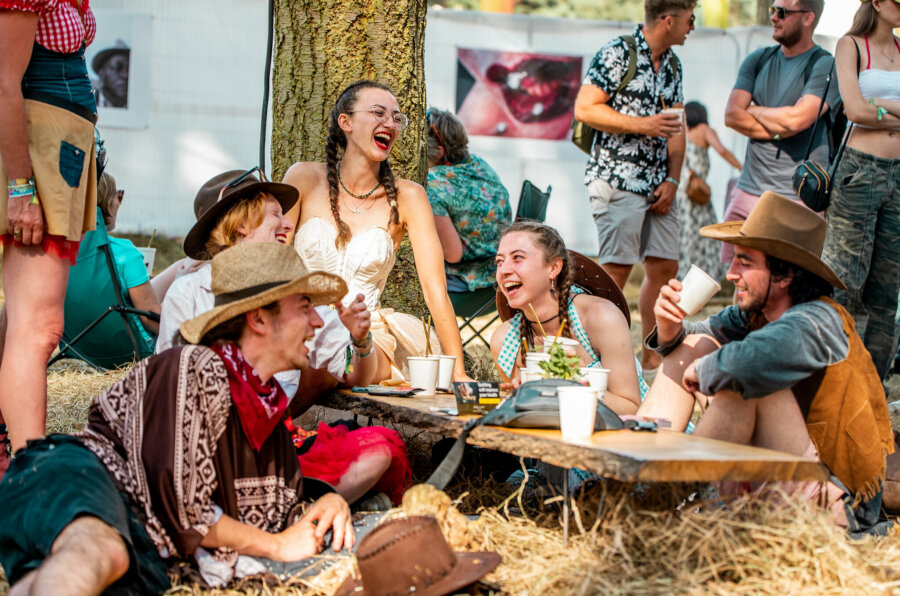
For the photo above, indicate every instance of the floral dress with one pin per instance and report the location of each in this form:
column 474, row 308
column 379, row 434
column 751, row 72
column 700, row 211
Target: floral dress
column 702, row 252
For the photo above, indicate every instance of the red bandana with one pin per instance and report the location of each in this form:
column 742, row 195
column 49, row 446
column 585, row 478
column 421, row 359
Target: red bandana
column 260, row 405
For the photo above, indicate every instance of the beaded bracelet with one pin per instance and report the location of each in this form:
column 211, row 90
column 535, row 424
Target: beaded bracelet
column 362, row 344
column 672, row 180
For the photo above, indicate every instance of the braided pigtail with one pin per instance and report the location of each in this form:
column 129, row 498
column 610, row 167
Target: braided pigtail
column 563, row 285
column 386, row 177
column 335, row 140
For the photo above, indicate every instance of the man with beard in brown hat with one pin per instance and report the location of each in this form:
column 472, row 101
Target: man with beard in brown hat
column 783, row 368
column 186, row 455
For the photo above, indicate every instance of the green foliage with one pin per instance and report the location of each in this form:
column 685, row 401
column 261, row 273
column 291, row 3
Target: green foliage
column 560, row 366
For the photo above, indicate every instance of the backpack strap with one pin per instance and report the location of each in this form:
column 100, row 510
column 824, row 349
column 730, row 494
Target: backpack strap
column 767, row 54
column 631, row 46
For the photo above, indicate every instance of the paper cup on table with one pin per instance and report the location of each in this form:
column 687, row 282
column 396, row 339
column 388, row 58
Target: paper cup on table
column 596, row 378
column 577, row 410
column 530, row 374
column 423, row 373
column 533, row 358
column 698, row 288
column 569, row 345
column 149, row 255
column 445, row 371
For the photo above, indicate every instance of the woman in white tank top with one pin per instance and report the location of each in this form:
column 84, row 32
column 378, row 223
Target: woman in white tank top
column 863, row 239
column 352, row 215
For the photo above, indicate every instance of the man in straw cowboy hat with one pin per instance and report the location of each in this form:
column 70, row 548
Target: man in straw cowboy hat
column 784, row 367
column 185, row 455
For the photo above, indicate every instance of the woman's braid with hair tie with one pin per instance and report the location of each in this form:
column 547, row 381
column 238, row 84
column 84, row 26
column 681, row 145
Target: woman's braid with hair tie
column 386, row 177
column 335, row 139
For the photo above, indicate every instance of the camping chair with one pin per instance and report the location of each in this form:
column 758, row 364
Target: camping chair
column 471, row 305
column 94, row 292
column 532, row 202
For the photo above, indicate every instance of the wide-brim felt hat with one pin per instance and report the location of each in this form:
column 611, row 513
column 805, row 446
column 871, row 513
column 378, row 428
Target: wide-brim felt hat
column 253, row 274
column 409, row 555
column 781, row 228
column 209, row 208
column 100, row 58
column 587, row 275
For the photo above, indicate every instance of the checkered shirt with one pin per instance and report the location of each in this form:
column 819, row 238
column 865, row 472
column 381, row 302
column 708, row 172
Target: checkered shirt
column 62, row 24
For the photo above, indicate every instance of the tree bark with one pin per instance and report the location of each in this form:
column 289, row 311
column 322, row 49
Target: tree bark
column 320, row 47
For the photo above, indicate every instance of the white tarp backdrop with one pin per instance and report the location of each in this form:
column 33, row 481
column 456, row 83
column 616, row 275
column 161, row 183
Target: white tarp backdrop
column 206, row 88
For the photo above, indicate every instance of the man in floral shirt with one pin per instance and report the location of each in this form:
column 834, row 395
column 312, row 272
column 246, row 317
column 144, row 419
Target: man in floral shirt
column 636, row 159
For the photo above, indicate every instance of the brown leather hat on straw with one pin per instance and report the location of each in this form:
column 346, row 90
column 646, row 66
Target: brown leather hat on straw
column 783, row 229
column 212, row 202
column 253, row 274
column 409, row 555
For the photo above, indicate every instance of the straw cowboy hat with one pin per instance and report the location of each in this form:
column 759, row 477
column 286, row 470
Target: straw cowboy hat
column 783, row 229
column 211, row 203
column 409, row 555
column 254, row 274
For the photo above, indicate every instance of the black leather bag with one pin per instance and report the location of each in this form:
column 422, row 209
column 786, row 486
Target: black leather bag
column 812, row 182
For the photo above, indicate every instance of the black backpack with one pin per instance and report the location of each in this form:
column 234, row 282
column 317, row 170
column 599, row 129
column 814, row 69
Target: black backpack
column 584, row 135
column 835, row 119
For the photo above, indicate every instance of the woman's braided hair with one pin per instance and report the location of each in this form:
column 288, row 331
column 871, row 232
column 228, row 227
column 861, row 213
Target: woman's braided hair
column 336, row 140
column 551, row 244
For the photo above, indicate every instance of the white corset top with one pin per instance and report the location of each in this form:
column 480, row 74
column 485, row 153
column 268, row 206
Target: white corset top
column 364, row 263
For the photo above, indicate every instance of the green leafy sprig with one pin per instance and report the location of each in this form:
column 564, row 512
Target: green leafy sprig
column 560, row 366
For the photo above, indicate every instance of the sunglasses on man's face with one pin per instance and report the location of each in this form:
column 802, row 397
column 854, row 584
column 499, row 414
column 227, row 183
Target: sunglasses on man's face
column 241, row 178
column 781, row 11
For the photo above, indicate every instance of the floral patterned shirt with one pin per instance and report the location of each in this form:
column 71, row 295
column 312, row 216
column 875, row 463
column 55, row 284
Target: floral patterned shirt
column 474, row 198
column 630, row 162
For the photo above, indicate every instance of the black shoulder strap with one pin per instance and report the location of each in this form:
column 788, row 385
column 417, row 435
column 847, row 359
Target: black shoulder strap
column 818, row 54
column 631, row 45
column 767, row 55
column 812, row 137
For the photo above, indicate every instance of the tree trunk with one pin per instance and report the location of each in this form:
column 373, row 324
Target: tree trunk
column 320, row 47
column 762, row 12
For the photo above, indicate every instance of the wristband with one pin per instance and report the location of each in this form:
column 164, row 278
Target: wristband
column 672, row 180
column 776, row 137
column 361, row 344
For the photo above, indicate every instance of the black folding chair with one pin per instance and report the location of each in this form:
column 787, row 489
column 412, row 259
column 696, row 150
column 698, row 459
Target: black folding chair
column 94, row 292
column 533, row 202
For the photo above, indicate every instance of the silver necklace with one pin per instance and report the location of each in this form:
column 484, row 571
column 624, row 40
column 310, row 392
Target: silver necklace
column 359, row 209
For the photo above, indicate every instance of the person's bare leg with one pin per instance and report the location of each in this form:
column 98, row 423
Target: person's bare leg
column 363, row 474
column 85, row 559
column 657, row 273
column 667, row 397
column 619, row 273
column 314, row 382
column 383, row 372
column 35, row 287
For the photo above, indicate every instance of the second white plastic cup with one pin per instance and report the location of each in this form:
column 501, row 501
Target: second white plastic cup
column 698, row 288
column 577, row 410
column 533, row 358
column 530, row 374
column 445, row 371
column 149, row 254
column 597, row 378
column 569, row 345
column 423, row 373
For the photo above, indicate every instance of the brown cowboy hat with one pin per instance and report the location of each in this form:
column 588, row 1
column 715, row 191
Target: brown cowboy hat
column 587, row 275
column 409, row 555
column 209, row 207
column 783, row 229
column 253, row 274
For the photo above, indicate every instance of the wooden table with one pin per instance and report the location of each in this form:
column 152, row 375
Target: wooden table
column 624, row 455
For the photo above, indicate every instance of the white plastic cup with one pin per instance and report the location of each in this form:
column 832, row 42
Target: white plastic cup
column 423, row 373
column 149, row 255
column 698, row 288
column 533, row 358
column 597, row 378
column 577, row 410
column 445, row 371
column 569, row 345
column 679, row 111
column 530, row 374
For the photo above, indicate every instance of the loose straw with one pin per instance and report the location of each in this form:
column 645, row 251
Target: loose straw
column 559, row 331
column 663, row 101
column 152, row 236
column 537, row 320
column 427, row 336
column 525, row 344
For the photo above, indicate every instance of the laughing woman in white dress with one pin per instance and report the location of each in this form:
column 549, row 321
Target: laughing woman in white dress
column 352, row 215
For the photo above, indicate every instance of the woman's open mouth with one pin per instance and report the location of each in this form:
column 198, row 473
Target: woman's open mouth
column 511, row 288
column 281, row 238
column 383, row 140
